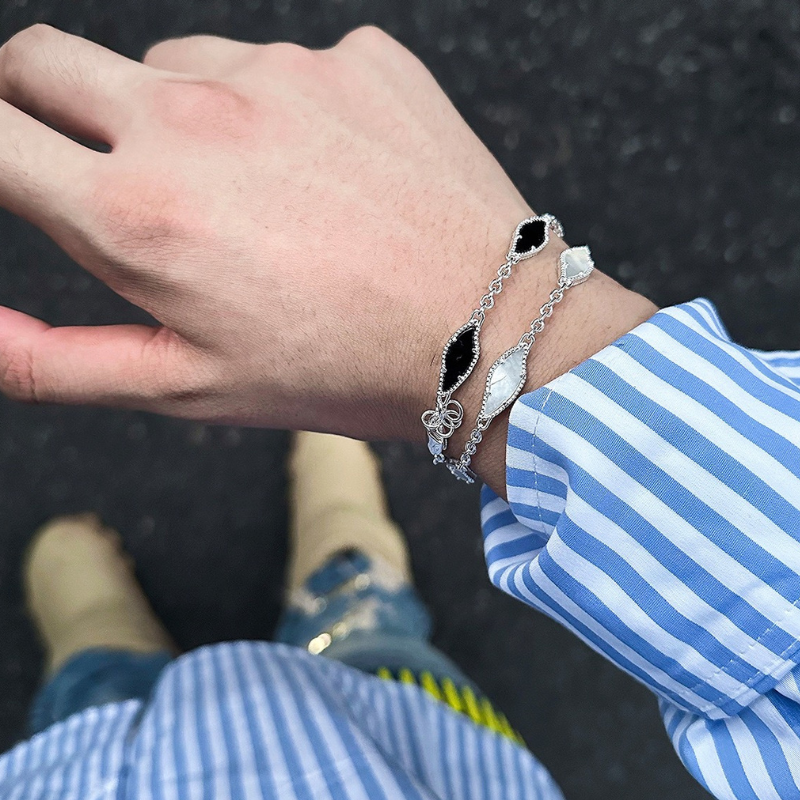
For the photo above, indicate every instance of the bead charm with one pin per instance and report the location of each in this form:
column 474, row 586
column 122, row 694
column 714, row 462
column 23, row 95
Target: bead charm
column 505, row 381
column 575, row 266
column 531, row 236
column 459, row 358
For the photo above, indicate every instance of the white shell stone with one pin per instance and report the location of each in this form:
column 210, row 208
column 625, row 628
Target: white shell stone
column 504, row 381
column 576, row 264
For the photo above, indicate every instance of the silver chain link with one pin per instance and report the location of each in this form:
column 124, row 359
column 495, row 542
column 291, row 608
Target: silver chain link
column 495, row 287
column 440, row 422
column 546, row 311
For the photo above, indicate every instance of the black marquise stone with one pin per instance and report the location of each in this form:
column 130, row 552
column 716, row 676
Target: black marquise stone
column 531, row 236
column 458, row 357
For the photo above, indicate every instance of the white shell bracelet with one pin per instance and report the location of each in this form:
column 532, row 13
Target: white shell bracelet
column 507, row 375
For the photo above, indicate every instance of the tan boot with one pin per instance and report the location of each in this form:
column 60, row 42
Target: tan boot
column 82, row 593
column 337, row 503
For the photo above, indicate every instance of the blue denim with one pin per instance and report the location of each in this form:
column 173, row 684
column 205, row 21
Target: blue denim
column 94, row 678
column 370, row 652
column 396, row 631
column 334, row 594
column 395, row 635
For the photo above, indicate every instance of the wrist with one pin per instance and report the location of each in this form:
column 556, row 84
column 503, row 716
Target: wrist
column 591, row 316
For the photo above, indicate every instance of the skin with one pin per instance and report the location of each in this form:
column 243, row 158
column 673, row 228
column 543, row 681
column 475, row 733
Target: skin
column 308, row 228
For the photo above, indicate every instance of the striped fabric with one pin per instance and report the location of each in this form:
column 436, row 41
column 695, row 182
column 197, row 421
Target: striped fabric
column 462, row 699
column 257, row 721
column 654, row 509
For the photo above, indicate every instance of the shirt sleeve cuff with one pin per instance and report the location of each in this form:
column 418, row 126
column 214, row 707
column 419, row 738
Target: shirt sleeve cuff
column 654, row 509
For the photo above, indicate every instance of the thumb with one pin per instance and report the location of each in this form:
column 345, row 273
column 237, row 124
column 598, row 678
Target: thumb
column 125, row 366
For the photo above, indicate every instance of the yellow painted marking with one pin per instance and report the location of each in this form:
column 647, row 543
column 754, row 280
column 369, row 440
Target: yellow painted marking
column 480, row 711
column 407, row 676
column 471, row 703
column 451, row 695
column 491, row 718
column 505, row 727
column 430, row 686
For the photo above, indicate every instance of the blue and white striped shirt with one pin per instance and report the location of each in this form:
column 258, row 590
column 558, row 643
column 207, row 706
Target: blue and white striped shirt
column 653, row 508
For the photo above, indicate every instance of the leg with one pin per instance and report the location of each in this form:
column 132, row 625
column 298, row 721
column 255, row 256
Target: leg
column 350, row 595
column 103, row 642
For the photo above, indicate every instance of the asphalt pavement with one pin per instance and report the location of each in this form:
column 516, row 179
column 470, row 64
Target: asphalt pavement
column 666, row 135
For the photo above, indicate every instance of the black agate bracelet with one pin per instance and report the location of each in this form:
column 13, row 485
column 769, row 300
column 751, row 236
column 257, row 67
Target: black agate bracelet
column 463, row 348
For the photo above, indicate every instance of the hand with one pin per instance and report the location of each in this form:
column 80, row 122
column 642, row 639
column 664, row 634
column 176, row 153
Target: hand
column 308, row 228
column 294, row 219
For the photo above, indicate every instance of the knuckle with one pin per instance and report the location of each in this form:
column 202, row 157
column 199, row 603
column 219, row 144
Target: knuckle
column 204, row 110
column 16, row 51
column 157, row 51
column 17, row 374
column 179, row 377
column 138, row 216
column 368, row 37
column 163, row 50
column 376, row 47
column 31, row 36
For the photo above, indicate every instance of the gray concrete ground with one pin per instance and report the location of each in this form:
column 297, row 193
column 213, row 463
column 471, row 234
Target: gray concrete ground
column 665, row 134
